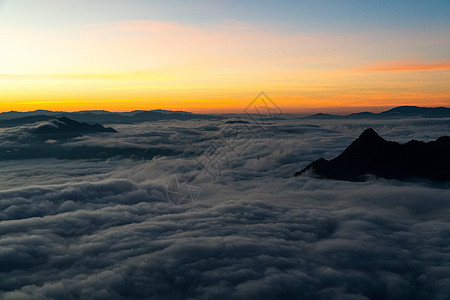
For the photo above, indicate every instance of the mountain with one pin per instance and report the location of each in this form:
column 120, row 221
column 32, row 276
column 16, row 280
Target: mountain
column 324, row 116
column 10, row 119
column 415, row 111
column 15, row 114
column 371, row 154
column 396, row 112
column 362, row 115
column 156, row 115
column 67, row 128
column 48, row 142
column 13, row 118
column 25, row 120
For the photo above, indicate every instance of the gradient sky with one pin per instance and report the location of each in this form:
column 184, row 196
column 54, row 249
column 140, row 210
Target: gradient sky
column 216, row 56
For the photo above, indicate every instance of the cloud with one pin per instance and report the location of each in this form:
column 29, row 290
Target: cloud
column 389, row 66
column 104, row 229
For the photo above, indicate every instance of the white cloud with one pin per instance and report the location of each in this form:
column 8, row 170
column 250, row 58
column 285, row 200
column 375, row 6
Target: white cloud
column 104, row 229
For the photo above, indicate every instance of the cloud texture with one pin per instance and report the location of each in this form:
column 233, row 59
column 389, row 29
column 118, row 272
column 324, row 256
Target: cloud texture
column 104, row 229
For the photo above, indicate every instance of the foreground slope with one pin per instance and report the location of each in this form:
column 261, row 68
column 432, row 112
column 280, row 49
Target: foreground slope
column 371, row 154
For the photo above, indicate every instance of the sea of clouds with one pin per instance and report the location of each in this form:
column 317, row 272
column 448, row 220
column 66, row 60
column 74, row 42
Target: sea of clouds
column 222, row 218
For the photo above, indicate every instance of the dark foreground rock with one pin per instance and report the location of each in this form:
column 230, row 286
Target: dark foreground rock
column 370, row 154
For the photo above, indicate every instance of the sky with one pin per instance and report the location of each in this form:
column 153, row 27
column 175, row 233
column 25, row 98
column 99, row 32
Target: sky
column 217, row 56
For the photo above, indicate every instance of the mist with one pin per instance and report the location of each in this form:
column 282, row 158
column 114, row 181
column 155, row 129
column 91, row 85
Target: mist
column 220, row 216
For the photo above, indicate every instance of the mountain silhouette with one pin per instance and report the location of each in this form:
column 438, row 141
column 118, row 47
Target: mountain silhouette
column 67, row 128
column 11, row 119
column 25, row 120
column 394, row 113
column 371, row 154
column 416, row 111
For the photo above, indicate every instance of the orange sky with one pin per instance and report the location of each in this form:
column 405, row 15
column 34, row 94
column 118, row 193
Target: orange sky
column 143, row 64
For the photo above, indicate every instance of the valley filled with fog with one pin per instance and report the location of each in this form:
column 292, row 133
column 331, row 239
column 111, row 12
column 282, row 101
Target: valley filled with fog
column 209, row 208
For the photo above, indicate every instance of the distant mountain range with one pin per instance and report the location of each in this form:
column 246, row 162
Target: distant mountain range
column 12, row 118
column 371, row 154
column 397, row 112
column 48, row 141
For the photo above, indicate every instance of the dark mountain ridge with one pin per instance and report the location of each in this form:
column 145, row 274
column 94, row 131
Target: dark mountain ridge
column 68, row 128
column 396, row 112
column 47, row 140
column 371, row 154
column 10, row 119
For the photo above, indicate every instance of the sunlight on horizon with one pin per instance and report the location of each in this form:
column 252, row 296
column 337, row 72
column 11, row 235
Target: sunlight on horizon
column 218, row 63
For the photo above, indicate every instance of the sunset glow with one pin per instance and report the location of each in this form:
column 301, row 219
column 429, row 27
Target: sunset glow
column 219, row 63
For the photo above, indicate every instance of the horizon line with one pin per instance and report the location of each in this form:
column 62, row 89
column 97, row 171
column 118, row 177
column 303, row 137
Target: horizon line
column 310, row 110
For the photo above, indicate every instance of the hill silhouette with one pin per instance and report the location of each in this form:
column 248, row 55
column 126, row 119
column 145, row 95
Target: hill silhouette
column 394, row 113
column 11, row 119
column 371, row 154
column 48, row 141
column 68, row 128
